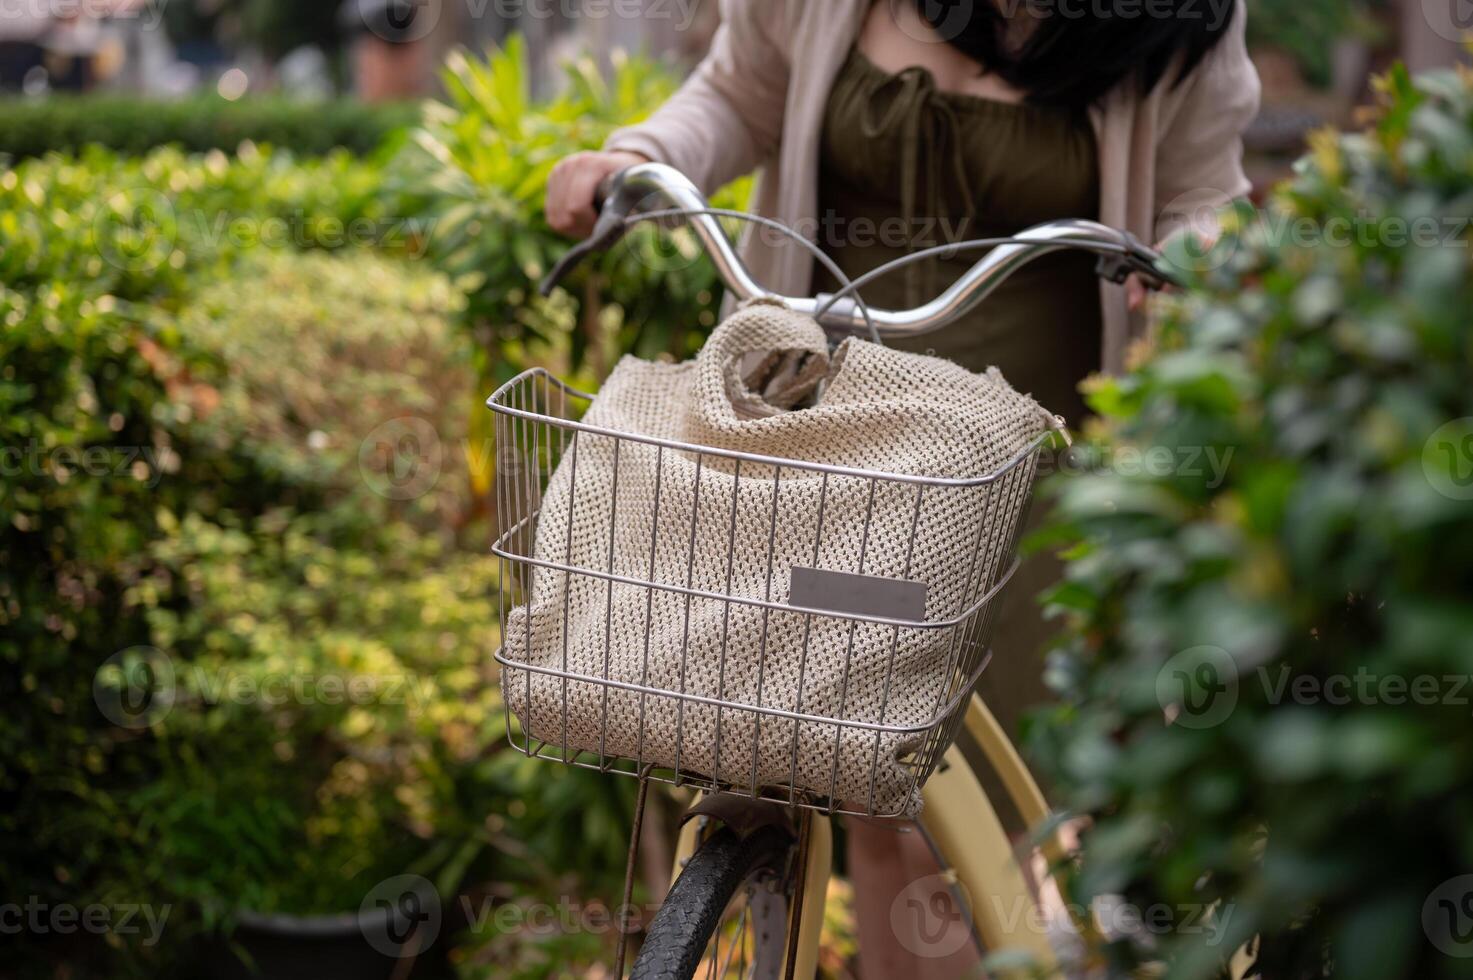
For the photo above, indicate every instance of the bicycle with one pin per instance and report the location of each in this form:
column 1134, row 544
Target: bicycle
column 752, row 876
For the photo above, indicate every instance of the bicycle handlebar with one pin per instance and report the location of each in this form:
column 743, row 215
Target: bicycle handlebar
column 624, row 194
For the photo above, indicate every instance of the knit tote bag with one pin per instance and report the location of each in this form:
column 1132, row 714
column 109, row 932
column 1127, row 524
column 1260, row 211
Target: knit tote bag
column 752, row 694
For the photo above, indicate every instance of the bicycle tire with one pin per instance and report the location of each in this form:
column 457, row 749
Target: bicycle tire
column 682, row 929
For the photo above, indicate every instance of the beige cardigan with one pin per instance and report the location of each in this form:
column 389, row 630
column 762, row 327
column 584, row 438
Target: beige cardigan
column 1167, row 158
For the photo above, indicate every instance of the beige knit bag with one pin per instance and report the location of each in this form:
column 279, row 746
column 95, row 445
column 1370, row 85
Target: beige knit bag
column 657, row 611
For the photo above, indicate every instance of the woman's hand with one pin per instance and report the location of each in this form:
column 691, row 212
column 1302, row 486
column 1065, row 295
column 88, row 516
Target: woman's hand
column 572, row 184
column 1136, row 290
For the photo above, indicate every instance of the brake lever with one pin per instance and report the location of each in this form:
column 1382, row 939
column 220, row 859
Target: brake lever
column 614, row 207
column 1137, row 259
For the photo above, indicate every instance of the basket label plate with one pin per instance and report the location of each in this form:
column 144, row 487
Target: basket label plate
column 863, row 595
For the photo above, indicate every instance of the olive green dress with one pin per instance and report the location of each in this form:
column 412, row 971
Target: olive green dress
column 906, row 166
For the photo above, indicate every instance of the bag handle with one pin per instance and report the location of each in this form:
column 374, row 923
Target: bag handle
column 760, row 361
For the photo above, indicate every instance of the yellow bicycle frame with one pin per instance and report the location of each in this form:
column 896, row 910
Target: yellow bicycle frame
column 968, row 833
column 974, row 847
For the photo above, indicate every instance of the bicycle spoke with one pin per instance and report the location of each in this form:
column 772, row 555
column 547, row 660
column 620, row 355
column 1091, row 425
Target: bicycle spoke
column 741, row 941
column 716, row 956
column 735, row 932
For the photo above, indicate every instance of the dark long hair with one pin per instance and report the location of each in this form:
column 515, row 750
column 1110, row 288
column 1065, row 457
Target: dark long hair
column 1080, row 49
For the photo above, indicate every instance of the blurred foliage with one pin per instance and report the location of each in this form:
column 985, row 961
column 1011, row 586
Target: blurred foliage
column 274, row 26
column 278, row 27
column 477, row 170
column 1309, row 29
column 191, row 398
column 838, row 942
column 1213, row 726
column 67, row 123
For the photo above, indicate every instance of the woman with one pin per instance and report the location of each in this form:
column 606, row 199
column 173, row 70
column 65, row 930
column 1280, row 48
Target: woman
column 885, row 126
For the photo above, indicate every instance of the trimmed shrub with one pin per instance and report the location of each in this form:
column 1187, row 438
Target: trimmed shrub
column 134, row 126
column 148, row 229
column 198, row 527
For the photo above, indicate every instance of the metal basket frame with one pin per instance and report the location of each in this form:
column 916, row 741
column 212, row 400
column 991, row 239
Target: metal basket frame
column 538, row 419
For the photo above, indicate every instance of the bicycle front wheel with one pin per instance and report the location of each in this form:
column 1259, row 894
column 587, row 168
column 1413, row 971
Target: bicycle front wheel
column 726, row 915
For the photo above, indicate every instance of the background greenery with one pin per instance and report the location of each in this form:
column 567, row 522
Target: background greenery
column 1308, row 30
column 226, row 332
column 273, row 26
column 252, row 314
column 1324, row 353
column 478, row 167
column 67, row 123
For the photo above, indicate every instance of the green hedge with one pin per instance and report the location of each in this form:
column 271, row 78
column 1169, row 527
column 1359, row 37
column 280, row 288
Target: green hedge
column 116, row 424
column 1265, row 684
column 66, row 124
column 196, row 364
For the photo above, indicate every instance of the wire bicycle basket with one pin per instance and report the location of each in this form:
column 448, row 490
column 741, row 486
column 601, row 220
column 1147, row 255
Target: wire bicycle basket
column 787, row 630
column 800, row 622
